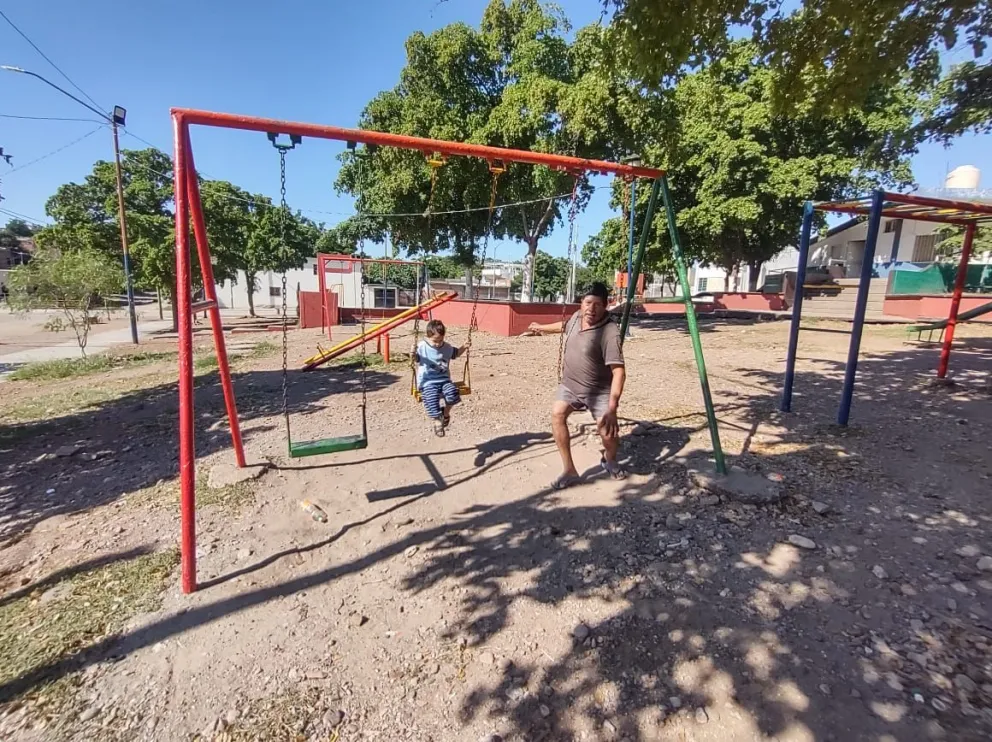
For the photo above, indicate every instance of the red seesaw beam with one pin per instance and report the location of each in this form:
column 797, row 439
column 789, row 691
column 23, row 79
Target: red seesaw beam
column 187, row 116
column 376, row 331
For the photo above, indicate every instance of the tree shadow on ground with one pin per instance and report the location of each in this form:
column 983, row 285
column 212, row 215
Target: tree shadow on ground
column 698, row 612
column 720, row 612
column 705, row 322
column 129, row 442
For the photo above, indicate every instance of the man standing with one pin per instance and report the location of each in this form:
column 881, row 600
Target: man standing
column 592, row 379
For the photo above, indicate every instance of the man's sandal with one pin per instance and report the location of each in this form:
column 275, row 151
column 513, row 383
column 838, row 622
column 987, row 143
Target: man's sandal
column 614, row 470
column 564, row 481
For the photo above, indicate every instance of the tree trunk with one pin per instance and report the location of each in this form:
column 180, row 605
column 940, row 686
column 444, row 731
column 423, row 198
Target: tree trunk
column 250, row 283
column 753, row 269
column 469, row 289
column 173, row 303
column 161, row 314
column 532, row 274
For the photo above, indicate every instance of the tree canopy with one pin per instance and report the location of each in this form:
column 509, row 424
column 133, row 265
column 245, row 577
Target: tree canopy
column 516, row 81
column 836, row 51
column 244, row 230
column 741, row 169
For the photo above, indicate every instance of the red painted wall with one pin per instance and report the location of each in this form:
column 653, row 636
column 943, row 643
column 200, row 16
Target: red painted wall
column 932, row 307
column 500, row 317
column 523, row 314
column 310, row 308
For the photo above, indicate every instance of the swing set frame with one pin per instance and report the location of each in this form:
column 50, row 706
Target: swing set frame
column 188, row 208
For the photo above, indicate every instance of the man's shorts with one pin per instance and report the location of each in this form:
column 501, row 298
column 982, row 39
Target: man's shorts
column 597, row 404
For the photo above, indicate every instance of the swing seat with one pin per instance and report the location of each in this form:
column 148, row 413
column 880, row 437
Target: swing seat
column 321, row 446
column 463, row 390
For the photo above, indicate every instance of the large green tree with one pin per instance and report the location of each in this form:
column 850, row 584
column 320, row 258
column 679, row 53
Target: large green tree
column 517, row 82
column 550, row 276
column 85, row 217
column 16, row 228
column 741, row 168
column 836, row 52
column 244, row 230
column 74, row 282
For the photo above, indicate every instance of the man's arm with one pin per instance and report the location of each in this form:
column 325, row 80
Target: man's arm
column 616, row 386
column 610, row 424
column 551, row 329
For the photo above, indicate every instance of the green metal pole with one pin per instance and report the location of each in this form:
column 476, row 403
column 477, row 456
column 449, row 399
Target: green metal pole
column 638, row 259
column 690, row 317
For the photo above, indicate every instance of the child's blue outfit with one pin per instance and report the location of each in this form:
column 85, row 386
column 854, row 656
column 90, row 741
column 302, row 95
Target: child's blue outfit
column 433, row 377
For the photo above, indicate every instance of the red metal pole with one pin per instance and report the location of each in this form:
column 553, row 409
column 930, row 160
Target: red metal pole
column 952, row 317
column 210, row 294
column 325, row 317
column 939, row 203
column 187, row 455
column 385, row 348
column 428, row 146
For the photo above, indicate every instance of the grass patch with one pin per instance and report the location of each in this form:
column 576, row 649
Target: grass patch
column 76, row 612
column 372, row 360
column 296, row 715
column 165, row 494
column 67, row 368
column 205, row 364
column 236, row 356
column 65, row 402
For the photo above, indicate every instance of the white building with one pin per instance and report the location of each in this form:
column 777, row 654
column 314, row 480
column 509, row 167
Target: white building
column 902, row 240
column 501, row 273
column 343, row 277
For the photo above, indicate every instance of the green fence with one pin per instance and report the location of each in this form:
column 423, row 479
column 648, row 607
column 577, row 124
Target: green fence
column 939, row 279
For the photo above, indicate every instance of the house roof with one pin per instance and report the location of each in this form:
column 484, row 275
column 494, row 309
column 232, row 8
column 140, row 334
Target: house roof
column 853, row 222
column 920, row 208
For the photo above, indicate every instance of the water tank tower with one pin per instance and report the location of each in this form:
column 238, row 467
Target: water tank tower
column 965, row 177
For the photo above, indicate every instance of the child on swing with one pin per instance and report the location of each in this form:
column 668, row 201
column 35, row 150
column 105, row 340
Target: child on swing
column 432, row 357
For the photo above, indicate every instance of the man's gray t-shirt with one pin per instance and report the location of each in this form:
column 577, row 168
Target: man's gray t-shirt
column 588, row 356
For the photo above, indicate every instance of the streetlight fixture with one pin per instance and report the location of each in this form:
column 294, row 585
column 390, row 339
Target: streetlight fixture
column 115, row 118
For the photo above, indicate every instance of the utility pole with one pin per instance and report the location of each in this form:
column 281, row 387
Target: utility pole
column 128, row 283
column 116, row 118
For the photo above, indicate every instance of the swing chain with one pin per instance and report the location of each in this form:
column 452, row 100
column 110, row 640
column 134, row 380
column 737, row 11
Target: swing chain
column 496, row 171
column 435, row 163
column 361, row 273
column 285, row 318
column 573, row 209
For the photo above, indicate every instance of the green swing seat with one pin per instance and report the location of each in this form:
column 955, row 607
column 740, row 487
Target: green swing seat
column 321, row 446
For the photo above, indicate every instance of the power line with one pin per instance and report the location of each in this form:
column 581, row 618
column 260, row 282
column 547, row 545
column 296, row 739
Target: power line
column 46, row 58
column 145, row 141
column 47, row 118
column 16, row 215
column 498, row 207
column 54, row 151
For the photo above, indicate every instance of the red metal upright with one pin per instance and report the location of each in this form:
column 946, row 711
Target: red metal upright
column 325, row 311
column 210, row 294
column 187, row 455
column 952, row 317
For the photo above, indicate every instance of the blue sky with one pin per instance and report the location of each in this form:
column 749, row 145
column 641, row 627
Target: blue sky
column 296, row 60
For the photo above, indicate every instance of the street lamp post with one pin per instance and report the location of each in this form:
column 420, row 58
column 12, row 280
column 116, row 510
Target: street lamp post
column 116, row 118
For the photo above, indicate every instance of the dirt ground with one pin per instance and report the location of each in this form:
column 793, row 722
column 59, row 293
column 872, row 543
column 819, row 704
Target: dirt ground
column 452, row 596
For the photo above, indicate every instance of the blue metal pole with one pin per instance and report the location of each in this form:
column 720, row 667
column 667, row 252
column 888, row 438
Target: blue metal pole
column 874, row 221
column 797, row 307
